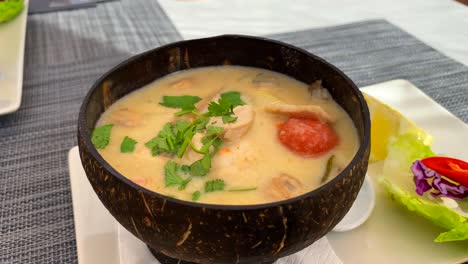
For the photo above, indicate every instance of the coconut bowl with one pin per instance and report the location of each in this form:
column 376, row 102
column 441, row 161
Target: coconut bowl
column 178, row 231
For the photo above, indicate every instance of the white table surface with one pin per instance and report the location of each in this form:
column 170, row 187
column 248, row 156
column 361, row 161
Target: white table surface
column 443, row 24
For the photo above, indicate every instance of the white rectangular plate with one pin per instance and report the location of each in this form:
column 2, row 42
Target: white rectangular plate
column 390, row 235
column 12, row 40
column 393, row 234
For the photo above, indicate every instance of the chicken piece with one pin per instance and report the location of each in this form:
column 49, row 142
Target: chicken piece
column 284, row 186
column 301, row 111
column 181, row 84
column 234, row 131
column 202, row 106
column 126, row 117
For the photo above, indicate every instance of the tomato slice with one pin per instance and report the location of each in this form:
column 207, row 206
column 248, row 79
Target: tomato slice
column 454, row 169
column 308, row 137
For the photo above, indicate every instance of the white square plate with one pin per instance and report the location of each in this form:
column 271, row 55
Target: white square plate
column 12, row 40
column 391, row 235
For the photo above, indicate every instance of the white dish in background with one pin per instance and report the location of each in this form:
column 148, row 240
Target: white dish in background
column 390, row 235
column 12, row 41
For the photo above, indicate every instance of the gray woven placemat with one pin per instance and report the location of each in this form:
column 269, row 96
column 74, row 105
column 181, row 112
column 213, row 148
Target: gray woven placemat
column 67, row 51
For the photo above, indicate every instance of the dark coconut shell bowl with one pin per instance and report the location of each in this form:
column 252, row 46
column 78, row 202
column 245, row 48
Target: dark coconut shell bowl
column 185, row 231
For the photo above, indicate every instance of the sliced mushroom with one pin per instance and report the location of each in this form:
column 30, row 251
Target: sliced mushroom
column 126, row 117
column 304, row 111
column 316, row 90
column 265, row 80
column 285, row 186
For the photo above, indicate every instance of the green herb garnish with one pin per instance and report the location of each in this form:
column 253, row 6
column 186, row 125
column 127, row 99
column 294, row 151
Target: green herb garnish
column 326, row 175
column 127, row 145
column 214, row 185
column 233, row 97
column 196, row 196
column 172, row 177
column 212, row 138
column 242, row 189
column 201, row 167
column 184, row 184
column 229, row 119
column 101, row 136
column 185, row 102
column 225, row 105
column 172, row 139
column 185, row 168
column 213, row 131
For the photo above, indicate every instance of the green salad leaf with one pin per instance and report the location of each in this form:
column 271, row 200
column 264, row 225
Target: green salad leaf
column 403, row 151
column 9, row 9
column 437, row 213
column 398, row 183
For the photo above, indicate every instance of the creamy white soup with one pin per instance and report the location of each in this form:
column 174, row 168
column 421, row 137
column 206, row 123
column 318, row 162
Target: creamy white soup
column 227, row 135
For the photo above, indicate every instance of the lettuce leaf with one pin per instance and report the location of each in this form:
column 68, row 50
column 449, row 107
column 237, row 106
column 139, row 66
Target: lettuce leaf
column 398, row 182
column 9, row 9
column 403, row 151
column 437, row 213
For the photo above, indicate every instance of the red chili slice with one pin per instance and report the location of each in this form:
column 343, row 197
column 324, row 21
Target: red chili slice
column 454, row 169
column 308, row 137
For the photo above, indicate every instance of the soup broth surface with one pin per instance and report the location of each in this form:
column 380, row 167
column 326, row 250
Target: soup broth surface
column 252, row 164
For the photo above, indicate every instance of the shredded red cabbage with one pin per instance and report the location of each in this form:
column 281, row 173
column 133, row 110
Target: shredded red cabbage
column 440, row 186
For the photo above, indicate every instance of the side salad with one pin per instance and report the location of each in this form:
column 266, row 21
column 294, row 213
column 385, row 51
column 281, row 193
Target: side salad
column 431, row 186
column 9, row 9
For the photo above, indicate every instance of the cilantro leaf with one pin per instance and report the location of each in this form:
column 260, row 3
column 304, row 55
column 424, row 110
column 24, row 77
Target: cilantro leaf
column 184, row 184
column 172, row 139
column 201, row 123
column 185, row 168
column 201, row 167
column 225, row 105
column 170, row 174
column 214, row 185
column 185, row 110
column 229, row 119
column 233, row 97
column 127, row 145
column 101, row 136
column 196, row 196
column 180, row 126
column 220, row 108
column 214, row 131
column 212, row 138
column 183, row 101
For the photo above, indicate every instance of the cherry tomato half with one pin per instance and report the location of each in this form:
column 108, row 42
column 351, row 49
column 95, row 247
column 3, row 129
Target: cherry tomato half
column 305, row 136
